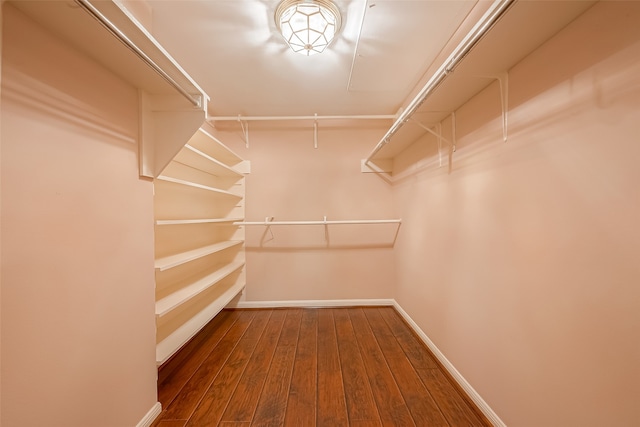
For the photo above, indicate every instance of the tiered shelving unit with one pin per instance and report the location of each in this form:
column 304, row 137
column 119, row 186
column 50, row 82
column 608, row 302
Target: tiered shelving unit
column 199, row 251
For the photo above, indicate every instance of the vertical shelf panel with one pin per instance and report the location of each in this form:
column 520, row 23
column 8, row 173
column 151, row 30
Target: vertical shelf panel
column 199, row 251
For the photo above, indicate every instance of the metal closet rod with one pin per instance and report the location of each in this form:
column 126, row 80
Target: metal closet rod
column 498, row 9
column 115, row 31
column 314, row 117
column 323, row 222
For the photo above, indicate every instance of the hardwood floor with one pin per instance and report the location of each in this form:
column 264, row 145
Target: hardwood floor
column 303, row 367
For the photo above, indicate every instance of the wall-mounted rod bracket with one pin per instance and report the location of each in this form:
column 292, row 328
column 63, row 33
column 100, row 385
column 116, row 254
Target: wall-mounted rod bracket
column 315, row 131
column 437, row 134
column 503, row 79
column 503, row 84
column 453, row 131
column 452, row 146
column 245, row 131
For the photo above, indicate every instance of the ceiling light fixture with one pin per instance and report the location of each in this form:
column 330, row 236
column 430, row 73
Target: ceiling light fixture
column 308, row 26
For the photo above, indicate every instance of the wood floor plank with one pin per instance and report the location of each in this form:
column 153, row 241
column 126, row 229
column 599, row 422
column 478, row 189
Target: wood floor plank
column 173, row 377
column 413, row 347
column 272, row 405
column 360, row 402
column 210, row 409
column 291, row 328
column 245, row 398
column 332, row 407
column 301, row 407
column 258, row 325
column 365, row 423
column 453, row 406
column 391, row 405
column 187, row 351
column 420, row 403
column 185, row 403
column 172, row 423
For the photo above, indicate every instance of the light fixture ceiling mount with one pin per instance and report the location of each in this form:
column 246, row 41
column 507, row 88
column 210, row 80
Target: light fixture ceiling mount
column 308, row 26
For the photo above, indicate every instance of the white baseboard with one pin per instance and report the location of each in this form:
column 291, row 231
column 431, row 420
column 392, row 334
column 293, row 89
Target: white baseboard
column 151, row 416
column 313, row 303
column 480, row 403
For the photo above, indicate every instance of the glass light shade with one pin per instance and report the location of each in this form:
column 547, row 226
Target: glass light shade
column 308, row 26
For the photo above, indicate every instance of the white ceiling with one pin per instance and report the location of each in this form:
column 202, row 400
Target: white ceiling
column 234, row 52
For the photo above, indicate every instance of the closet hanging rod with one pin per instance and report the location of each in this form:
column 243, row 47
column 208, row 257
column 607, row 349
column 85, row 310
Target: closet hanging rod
column 280, row 118
column 117, row 33
column 324, row 222
column 497, row 10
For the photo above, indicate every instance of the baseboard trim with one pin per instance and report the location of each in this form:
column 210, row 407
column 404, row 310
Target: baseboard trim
column 457, row 376
column 313, row 303
column 151, row 416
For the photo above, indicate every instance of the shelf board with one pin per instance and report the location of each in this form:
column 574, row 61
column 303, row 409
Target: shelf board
column 197, row 221
column 196, row 185
column 524, row 28
column 171, row 261
column 204, row 141
column 168, row 346
column 85, row 33
column 176, row 299
column 195, row 158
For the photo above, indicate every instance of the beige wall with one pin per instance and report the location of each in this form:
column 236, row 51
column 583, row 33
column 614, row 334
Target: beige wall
column 290, row 180
column 78, row 331
column 1, row 20
column 522, row 264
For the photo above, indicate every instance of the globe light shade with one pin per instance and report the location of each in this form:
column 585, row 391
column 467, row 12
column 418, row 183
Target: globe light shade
column 308, row 26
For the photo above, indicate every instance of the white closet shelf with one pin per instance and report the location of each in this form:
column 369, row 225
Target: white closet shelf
column 130, row 51
column 171, row 261
column 195, row 158
column 215, row 147
column 197, row 221
column 176, row 299
column 169, row 345
column 478, row 60
column 198, row 186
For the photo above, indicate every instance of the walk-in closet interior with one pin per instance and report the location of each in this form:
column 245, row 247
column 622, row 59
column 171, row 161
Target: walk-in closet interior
column 469, row 163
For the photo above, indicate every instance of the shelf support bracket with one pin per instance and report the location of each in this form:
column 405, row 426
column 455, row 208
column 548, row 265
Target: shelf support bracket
column 315, row 131
column 453, row 131
column 438, row 134
column 268, row 230
column 452, row 146
column 503, row 78
column 326, row 230
column 503, row 83
column 245, row 131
